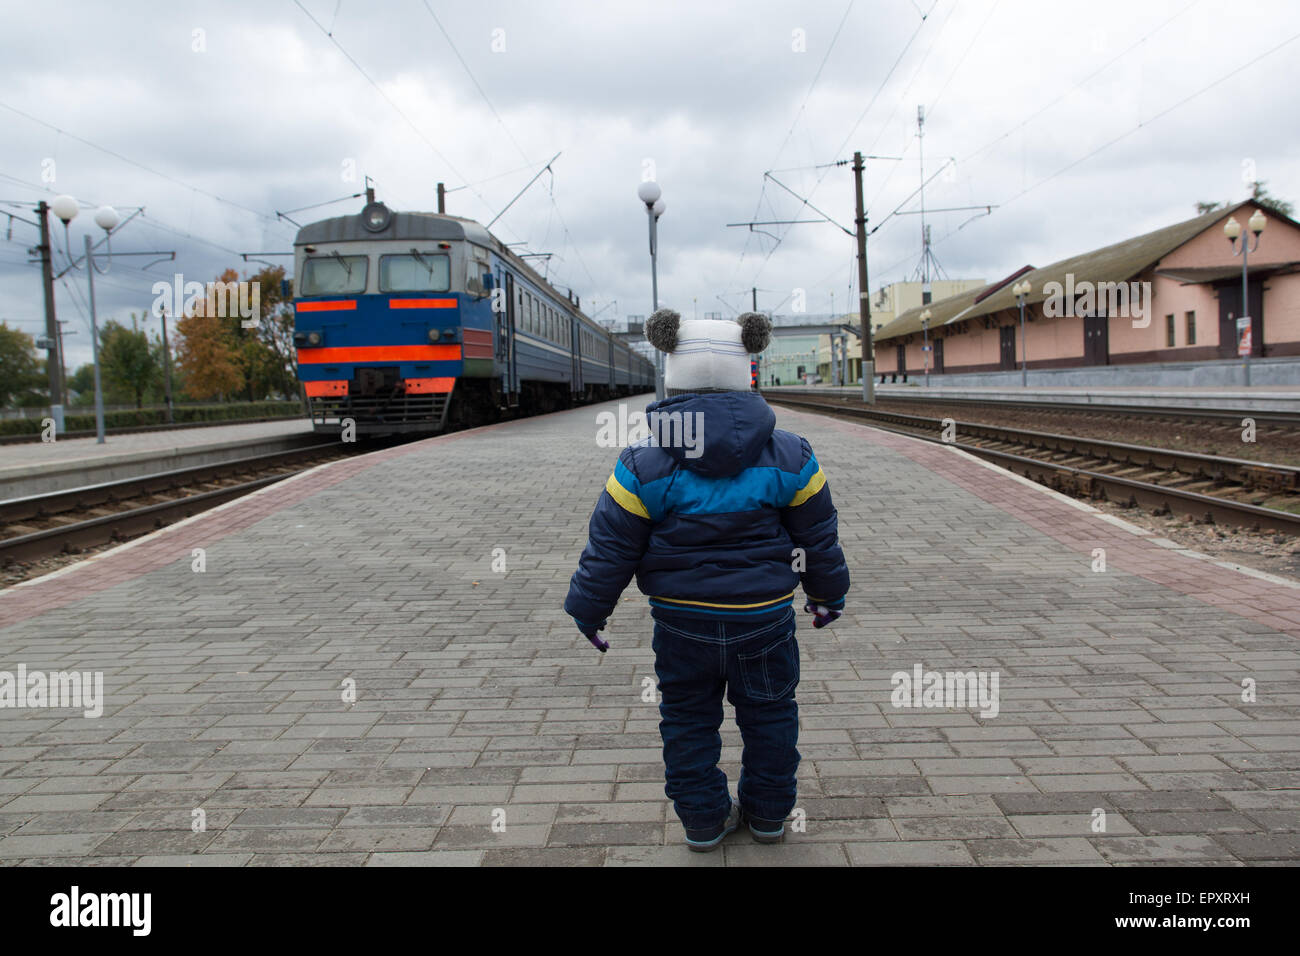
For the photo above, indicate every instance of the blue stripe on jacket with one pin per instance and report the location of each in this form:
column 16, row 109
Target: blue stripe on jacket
column 714, row 545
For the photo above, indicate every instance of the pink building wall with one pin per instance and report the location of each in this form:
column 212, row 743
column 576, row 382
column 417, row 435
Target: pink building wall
column 1060, row 340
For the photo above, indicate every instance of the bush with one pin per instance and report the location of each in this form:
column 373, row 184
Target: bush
column 182, row 414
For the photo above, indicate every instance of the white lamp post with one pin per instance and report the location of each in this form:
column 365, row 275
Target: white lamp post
column 1020, row 290
column 106, row 218
column 1232, row 229
column 649, row 193
column 925, row 345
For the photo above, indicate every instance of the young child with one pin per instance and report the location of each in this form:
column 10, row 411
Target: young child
column 720, row 516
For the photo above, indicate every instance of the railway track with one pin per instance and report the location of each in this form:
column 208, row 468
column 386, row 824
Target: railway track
column 1160, row 413
column 1211, row 488
column 69, row 521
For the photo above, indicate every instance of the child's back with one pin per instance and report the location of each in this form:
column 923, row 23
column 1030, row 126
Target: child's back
column 720, row 517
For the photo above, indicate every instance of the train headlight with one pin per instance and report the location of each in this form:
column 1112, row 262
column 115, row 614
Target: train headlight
column 449, row 334
column 376, row 217
column 313, row 338
column 433, row 335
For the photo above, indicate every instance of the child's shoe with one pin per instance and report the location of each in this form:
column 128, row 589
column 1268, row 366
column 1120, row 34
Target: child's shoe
column 765, row 831
column 702, row 841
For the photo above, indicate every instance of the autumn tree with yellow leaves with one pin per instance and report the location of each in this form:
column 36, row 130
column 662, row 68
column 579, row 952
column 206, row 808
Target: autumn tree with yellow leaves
column 219, row 358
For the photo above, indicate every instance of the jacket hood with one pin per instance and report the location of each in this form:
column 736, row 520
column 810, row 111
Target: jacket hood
column 716, row 435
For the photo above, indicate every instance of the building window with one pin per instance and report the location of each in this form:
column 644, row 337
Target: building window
column 1191, row 328
column 1170, row 334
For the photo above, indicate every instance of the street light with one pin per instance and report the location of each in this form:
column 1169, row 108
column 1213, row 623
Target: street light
column 925, row 347
column 106, row 218
column 1232, row 229
column 1020, row 290
column 650, row 194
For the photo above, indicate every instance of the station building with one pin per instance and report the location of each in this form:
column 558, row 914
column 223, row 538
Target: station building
column 887, row 303
column 1172, row 295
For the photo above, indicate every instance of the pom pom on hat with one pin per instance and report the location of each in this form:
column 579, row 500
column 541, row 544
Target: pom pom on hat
column 661, row 329
column 755, row 331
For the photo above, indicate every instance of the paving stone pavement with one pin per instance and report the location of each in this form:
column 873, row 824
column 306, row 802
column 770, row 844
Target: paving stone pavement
column 352, row 680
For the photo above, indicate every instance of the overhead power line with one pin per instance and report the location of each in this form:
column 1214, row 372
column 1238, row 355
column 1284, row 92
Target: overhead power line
column 138, row 165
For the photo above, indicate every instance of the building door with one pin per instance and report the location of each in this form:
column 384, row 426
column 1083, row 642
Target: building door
column 1096, row 340
column 900, row 360
column 1230, row 309
column 1007, row 341
column 938, row 355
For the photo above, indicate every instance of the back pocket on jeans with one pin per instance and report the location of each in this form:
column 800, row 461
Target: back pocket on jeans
column 773, row 672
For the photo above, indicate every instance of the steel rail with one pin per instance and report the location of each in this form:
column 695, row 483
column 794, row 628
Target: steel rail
column 88, row 496
column 124, row 524
column 1089, row 483
column 1153, row 411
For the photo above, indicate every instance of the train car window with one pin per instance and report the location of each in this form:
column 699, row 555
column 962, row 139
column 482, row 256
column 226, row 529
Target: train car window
column 332, row 275
column 425, row 272
column 476, row 264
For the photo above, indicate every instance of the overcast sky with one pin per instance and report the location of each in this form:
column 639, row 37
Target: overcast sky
column 1081, row 122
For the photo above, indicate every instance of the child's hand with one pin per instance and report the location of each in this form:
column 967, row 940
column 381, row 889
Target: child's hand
column 822, row 616
column 592, row 634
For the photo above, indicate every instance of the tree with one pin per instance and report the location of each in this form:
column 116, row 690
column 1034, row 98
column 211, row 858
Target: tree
column 276, row 330
column 1261, row 196
column 221, row 358
column 21, row 369
column 81, row 384
column 1257, row 193
column 206, row 357
column 128, row 362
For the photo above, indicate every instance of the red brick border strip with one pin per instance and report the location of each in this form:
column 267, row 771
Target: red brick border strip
column 1266, row 602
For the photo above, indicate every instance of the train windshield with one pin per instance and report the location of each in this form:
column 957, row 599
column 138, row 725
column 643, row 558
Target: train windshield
column 334, row 274
column 417, row 272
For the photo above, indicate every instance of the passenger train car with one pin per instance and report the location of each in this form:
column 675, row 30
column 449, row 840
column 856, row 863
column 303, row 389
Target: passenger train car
column 412, row 322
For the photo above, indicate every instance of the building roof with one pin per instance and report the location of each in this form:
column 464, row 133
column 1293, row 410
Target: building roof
column 1119, row 262
column 1198, row 275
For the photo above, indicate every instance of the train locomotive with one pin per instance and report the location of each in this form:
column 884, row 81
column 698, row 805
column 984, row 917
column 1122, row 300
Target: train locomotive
column 416, row 322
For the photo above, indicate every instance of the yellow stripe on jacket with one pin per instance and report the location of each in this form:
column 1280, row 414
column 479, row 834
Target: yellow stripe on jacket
column 628, row 501
column 807, row 491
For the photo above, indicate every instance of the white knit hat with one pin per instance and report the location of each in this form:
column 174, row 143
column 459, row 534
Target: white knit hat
column 707, row 354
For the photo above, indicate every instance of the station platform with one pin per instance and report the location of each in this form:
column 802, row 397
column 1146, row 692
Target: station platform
column 348, row 679
column 30, row 468
column 1271, row 398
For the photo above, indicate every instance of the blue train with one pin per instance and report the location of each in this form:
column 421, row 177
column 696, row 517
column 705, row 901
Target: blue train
column 409, row 322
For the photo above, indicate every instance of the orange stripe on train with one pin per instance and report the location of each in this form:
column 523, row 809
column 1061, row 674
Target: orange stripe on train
column 381, row 353
column 422, row 303
column 317, row 389
column 340, row 305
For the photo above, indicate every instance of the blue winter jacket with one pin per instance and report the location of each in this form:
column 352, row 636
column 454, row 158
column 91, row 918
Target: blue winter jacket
column 725, row 528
